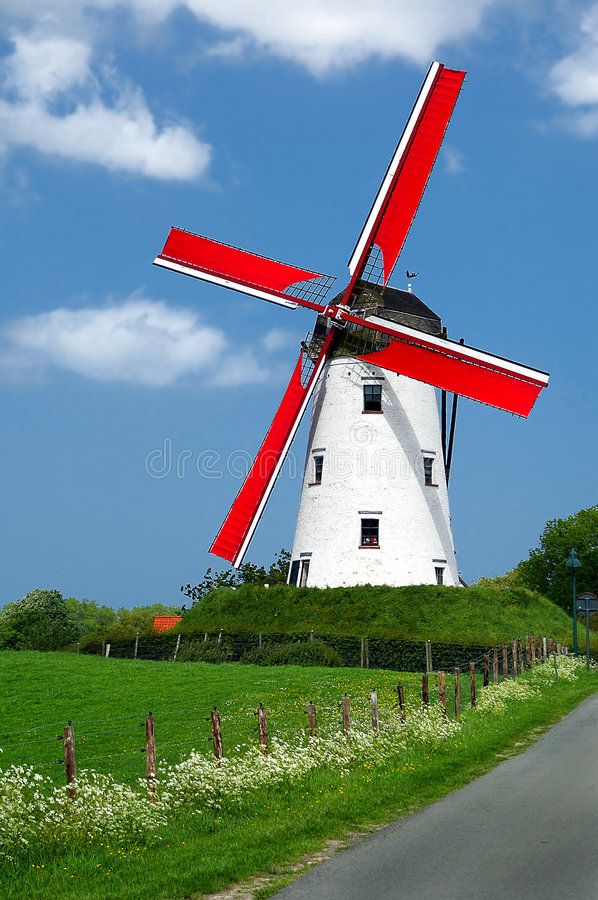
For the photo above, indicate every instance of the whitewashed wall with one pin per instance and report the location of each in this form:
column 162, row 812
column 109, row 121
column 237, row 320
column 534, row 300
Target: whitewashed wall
column 373, row 468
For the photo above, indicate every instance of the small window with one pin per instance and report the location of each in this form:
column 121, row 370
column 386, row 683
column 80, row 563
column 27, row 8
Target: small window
column 304, row 572
column 318, row 466
column 372, row 398
column 370, row 532
column 439, row 574
column 428, row 463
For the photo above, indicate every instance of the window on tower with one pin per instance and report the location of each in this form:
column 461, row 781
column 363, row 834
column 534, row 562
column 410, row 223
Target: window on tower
column 370, row 532
column 318, row 466
column 428, row 464
column 439, row 574
column 372, row 398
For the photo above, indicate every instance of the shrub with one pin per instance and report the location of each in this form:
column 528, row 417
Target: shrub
column 303, row 653
column 205, row 651
column 38, row 621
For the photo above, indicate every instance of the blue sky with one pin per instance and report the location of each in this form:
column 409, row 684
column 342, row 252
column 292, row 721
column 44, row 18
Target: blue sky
column 131, row 397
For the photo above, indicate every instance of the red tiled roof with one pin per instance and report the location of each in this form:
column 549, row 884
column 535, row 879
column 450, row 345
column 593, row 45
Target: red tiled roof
column 165, row 623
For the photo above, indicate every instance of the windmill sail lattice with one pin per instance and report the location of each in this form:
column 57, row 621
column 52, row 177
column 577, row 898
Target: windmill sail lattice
column 398, row 347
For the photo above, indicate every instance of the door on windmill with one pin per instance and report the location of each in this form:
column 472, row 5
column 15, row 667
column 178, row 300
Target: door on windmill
column 370, row 533
column 318, row 467
column 439, row 574
column 428, row 464
column 299, row 572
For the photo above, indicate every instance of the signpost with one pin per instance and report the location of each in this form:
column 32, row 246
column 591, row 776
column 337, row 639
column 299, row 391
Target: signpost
column 574, row 563
column 587, row 603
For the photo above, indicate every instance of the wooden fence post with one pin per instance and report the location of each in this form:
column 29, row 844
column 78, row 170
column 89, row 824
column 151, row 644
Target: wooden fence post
column 514, row 655
column 262, row 729
column 425, row 690
column 472, row 682
column 457, row 692
column 220, row 636
column 528, row 651
column 521, row 658
column 534, row 651
column 442, row 692
column 505, row 661
column 312, row 721
column 70, row 763
column 495, row 665
column 346, row 715
column 365, row 653
column 259, row 640
column 429, row 656
column 486, row 670
column 136, row 646
column 216, row 733
column 401, row 696
column 374, row 708
column 150, row 755
column 176, row 649
column 544, row 649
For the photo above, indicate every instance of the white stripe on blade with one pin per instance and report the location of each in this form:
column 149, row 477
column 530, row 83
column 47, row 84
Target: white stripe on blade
column 316, row 374
column 366, row 234
column 215, row 279
column 459, row 349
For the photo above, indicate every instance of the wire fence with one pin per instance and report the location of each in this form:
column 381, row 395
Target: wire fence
column 119, row 745
column 223, row 646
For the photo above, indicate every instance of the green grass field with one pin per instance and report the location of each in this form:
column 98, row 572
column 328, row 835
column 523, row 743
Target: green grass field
column 477, row 615
column 106, row 699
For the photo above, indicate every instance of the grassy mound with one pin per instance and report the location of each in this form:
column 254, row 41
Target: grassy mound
column 473, row 615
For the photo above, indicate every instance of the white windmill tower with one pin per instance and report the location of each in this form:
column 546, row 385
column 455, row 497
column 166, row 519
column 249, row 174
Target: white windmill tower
column 374, row 505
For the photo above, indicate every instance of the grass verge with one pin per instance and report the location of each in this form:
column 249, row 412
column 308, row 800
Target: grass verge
column 275, row 827
column 479, row 615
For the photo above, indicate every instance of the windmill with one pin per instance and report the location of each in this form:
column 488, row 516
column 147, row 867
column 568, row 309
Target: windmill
column 374, row 505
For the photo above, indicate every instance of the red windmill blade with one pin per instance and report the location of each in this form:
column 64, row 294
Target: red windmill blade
column 419, row 355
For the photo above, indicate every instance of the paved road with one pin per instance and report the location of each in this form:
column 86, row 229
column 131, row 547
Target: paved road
column 528, row 829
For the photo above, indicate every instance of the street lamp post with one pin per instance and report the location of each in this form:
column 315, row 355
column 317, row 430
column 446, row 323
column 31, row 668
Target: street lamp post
column 573, row 563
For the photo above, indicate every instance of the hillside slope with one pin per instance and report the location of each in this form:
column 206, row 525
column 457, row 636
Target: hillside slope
column 464, row 615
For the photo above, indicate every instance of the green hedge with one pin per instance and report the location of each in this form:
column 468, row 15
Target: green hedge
column 301, row 653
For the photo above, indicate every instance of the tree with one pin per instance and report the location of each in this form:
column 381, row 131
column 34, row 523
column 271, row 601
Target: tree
column 545, row 570
column 247, row 573
column 91, row 618
column 140, row 620
column 39, row 621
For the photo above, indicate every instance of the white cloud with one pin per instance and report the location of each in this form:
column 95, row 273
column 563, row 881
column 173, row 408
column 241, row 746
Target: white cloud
column 228, row 49
column 138, row 341
column 454, row 161
column 120, row 135
column 574, row 79
column 277, row 339
column 341, row 33
column 321, row 36
column 41, row 68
